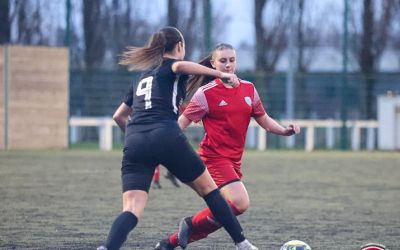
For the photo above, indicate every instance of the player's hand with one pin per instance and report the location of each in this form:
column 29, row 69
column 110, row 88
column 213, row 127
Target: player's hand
column 230, row 79
column 292, row 129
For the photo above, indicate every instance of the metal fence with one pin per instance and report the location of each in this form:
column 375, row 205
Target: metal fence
column 317, row 96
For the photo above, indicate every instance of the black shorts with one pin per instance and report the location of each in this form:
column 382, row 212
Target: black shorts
column 166, row 145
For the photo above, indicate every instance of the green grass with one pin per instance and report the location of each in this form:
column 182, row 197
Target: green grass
column 331, row 200
column 93, row 146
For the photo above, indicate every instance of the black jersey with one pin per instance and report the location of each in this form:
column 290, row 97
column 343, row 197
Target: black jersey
column 156, row 97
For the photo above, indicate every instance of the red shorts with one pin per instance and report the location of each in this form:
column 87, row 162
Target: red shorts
column 223, row 171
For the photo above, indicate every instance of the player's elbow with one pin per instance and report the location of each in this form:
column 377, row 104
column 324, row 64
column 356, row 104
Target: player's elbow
column 116, row 117
column 183, row 122
column 120, row 120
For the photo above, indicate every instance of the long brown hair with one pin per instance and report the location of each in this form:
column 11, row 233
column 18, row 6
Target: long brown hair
column 141, row 58
column 196, row 81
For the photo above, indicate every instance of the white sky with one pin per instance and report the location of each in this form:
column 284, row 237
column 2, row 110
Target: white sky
column 240, row 27
column 242, row 13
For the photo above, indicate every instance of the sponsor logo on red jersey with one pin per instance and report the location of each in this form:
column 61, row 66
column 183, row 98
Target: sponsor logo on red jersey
column 222, row 103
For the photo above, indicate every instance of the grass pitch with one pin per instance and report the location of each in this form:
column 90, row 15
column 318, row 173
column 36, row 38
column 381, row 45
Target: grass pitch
column 331, row 200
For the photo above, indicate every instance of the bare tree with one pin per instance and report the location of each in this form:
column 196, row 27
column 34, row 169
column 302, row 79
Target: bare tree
column 125, row 27
column 369, row 44
column 185, row 15
column 193, row 38
column 219, row 21
column 29, row 20
column 173, row 13
column 396, row 33
column 93, row 33
column 308, row 39
column 301, row 65
column 5, row 24
column 189, row 17
column 260, row 34
column 270, row 41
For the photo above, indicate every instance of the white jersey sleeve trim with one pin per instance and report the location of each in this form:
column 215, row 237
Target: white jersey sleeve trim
column 174, row 94
column 200, row 99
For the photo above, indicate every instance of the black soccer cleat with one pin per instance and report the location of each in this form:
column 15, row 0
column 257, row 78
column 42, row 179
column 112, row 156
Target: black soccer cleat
column 184, row 231
column 164, row 245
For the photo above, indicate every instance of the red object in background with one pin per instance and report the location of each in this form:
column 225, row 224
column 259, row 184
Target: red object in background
column 156, row 176
column 373, row 246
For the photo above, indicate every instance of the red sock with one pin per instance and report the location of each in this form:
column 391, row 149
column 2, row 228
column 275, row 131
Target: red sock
column 203, row 225
column 173, row 239
column 156, row 175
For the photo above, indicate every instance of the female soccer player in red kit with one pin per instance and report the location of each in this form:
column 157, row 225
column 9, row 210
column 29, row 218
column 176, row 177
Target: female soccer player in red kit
column 225, row 112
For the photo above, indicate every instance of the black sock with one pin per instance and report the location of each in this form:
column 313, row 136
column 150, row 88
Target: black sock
column 120, row 229
column 224, row 215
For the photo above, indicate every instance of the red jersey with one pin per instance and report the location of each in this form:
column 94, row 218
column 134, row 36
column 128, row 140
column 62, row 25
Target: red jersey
column 225, row 113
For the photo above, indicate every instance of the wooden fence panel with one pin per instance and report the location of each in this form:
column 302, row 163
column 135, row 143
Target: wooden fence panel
column 37, row 97
column 2, row 127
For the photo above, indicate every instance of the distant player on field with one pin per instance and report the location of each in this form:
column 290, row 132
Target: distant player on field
column 225, row 112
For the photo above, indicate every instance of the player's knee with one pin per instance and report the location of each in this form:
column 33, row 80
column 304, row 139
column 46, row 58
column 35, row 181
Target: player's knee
column 134, row 201
column 240, row 204
column 133, row 210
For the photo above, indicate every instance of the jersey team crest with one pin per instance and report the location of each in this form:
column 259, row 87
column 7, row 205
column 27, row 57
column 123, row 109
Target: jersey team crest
column 247, row 99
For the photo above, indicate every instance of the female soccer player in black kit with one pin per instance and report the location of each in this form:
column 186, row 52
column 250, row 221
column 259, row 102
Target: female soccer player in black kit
column 153, row 136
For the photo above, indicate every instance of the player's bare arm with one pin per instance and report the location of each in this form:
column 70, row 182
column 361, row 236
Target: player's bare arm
column 121, row 116
column 192, row 68
column 184, row 122
column 269, row 124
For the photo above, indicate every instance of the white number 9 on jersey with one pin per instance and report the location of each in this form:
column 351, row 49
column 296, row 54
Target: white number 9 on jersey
column 144, row 88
